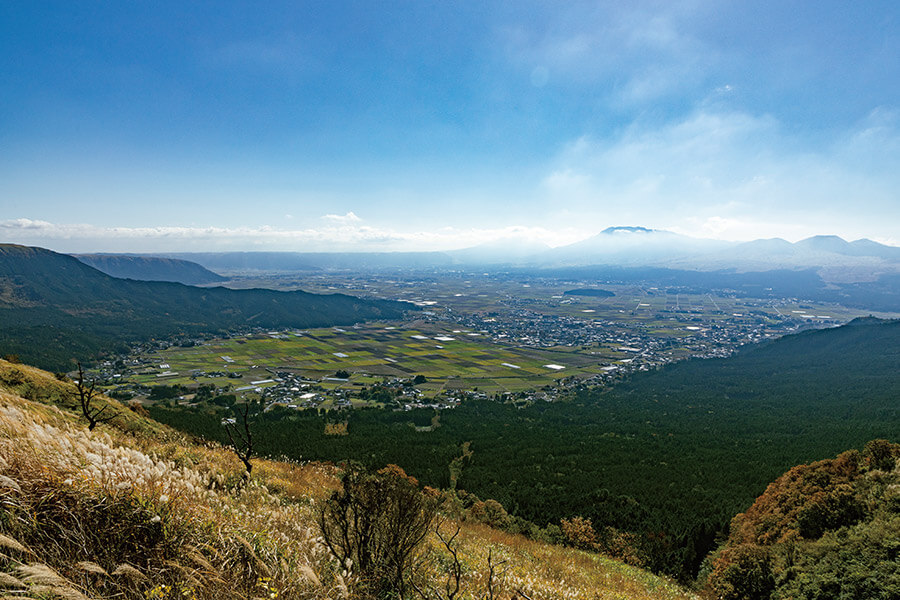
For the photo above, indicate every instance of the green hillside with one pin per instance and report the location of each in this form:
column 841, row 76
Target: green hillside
column 54, row 307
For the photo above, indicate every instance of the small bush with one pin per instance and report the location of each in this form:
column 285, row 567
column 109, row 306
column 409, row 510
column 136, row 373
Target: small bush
column 375, row 525
column 490, row 512
column 881, row 454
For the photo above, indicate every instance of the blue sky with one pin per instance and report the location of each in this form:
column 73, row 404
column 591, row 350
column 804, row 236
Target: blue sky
column 149, row 126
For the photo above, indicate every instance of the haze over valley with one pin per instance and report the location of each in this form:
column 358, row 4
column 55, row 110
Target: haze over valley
column 507, row 301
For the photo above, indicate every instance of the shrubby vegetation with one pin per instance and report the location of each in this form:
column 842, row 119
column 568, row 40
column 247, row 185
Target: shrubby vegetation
column 83, row 515
column 376, row 524
column 167, row 392
column 825, row 530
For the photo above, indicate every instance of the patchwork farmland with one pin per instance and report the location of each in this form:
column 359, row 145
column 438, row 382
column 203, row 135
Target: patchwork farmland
column 493, row 334
column 449, row 359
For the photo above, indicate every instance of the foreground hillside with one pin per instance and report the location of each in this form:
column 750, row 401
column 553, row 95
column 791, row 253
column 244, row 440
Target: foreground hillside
column 54, row 307
column 135, row 510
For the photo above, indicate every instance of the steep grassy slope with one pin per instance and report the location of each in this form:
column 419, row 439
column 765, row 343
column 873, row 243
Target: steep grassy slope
column 150, row 268
column 136, row 510
column 54, row 307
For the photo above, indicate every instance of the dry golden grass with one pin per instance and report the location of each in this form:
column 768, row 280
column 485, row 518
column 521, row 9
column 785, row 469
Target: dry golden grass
column 137, row 510
column 543, row 571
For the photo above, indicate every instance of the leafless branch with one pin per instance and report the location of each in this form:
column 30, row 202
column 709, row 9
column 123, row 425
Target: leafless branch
column 86, row 396
column 455, row 574
column 241, row 439
column 491, row 573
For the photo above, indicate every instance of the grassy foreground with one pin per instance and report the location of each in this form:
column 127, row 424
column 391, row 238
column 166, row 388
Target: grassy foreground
column 136, row 510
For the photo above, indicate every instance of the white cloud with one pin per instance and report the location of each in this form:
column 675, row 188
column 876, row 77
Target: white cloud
column 90, row 238
column 25, row 224
column 730, row 228
column 350, row 217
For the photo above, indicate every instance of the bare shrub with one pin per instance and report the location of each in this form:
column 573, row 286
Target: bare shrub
column 87, row 396
column 375, row 525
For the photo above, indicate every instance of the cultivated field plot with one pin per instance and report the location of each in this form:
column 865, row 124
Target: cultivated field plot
column 452, row 358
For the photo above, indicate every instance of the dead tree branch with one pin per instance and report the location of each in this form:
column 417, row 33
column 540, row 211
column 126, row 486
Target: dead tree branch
column 491, row 572
column 454, row 570
column 240, row 437
column 87, row 394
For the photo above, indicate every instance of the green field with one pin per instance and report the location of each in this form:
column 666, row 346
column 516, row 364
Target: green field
column 460, row 359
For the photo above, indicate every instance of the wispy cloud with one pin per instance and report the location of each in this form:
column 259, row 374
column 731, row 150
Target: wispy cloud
column 712, row 170
column 640, row 53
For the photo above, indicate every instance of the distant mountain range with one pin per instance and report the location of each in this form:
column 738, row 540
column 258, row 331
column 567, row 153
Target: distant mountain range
column 862, row 273
column 835, row 259
column 54, row 308
column 505, row 250
column 151, row 268
column 627, row 246
column 244, row 262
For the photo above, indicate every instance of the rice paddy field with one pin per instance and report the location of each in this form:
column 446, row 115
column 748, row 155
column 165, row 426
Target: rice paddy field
column 449, row 359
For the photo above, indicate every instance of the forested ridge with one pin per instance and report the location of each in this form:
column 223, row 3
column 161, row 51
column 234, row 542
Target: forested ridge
column 670, row 456
column 54, row 307
column 150, row 268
